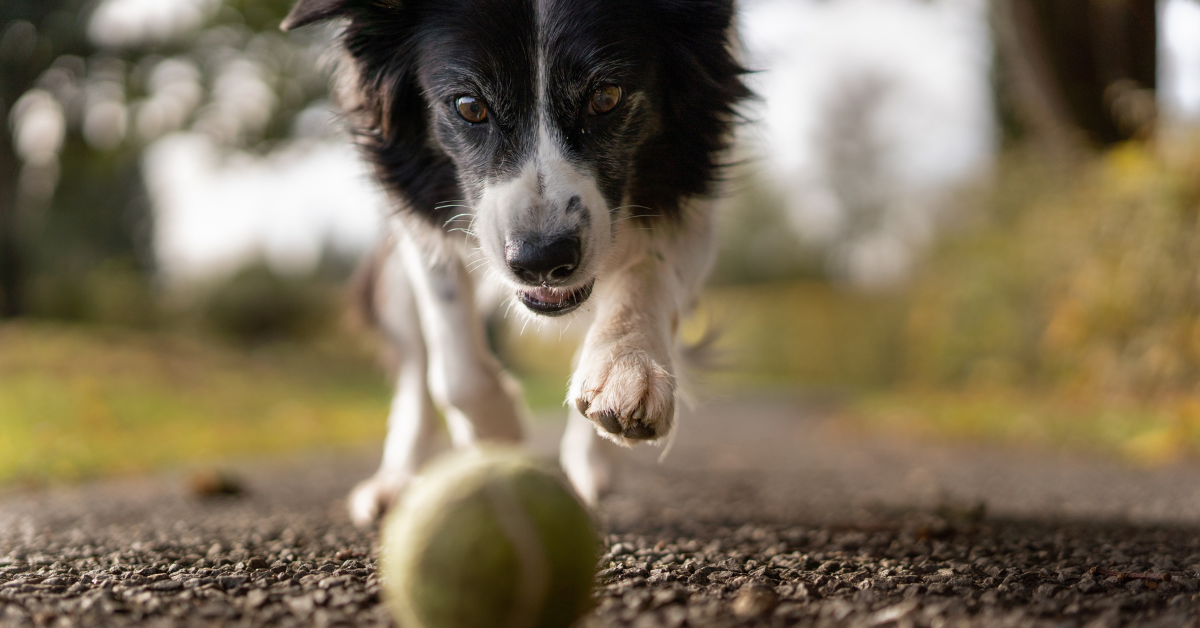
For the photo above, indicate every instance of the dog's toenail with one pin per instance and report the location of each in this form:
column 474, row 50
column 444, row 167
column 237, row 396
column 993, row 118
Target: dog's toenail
column 608, row 420
column 639, row 431
column 638, row 414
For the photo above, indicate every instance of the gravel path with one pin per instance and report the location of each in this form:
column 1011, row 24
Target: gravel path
column 763, row 515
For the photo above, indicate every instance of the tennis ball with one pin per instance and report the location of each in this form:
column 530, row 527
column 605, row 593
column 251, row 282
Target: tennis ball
column 488, row 538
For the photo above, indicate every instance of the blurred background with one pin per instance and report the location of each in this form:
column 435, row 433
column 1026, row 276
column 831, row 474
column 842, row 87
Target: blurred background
column 956, row 219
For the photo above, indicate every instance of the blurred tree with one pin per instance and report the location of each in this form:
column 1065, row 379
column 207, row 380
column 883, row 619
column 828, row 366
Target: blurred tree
column 1079, row 69
column 257, row 306
column 756, row 242
column 854, row 154
column 33, row 34
column 84, row 90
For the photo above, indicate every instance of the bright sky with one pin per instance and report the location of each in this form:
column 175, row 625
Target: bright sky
column 932, row 53
column 1181, row 58
column 216, row 212
column 119, row 22
column 934, row 116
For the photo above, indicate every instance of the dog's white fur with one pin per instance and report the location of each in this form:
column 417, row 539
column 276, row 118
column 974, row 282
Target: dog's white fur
column 425, row 301
column 516, row 207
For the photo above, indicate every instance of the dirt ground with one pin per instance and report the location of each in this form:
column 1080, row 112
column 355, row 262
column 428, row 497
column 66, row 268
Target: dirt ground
column 763, row 514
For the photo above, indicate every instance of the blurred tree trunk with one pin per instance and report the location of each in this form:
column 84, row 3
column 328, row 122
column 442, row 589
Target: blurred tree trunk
column 33, row 34
column 1079, row 71
column 25, row 52
column 10, row 255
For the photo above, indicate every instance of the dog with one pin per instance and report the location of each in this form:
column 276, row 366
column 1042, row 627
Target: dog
column 563, row 152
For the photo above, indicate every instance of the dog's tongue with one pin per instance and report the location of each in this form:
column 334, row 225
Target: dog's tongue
column 548, row 296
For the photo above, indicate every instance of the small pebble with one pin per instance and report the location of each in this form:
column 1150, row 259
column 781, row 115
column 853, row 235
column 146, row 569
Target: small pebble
column 754, row 601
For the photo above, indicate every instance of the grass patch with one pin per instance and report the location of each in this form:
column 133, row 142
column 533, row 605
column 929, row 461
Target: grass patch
column 806, row 334
column 1144, row 434
column 77, row 402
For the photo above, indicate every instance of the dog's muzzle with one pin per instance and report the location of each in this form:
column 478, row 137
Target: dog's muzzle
column 547, row 264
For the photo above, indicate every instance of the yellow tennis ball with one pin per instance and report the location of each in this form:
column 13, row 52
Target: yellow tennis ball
column 488, row 538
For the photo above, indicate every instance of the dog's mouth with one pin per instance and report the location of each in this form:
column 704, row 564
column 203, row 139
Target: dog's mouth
column 549, row 301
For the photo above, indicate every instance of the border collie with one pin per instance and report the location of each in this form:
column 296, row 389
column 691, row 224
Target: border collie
column 563, row 152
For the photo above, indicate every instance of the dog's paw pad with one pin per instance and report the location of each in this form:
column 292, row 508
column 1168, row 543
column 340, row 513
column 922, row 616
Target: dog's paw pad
column 631, row 397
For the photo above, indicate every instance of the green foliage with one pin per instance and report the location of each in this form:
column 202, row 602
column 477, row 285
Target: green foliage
column 1082, row 280
column 1064, row 313
column 89, row 205
column 806, row 334
column 257, row 305
column 756, row 243
column 97, row 227
column 258, row 15
column 115, row 292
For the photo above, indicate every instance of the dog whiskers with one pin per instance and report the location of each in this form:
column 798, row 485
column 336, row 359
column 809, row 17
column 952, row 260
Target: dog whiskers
column 455, row 217
column 632, row 217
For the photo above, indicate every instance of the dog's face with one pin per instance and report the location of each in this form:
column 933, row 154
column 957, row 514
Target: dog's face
column 541, row 107
column 539, row 125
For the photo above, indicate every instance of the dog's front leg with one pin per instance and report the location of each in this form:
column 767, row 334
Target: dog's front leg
column 426, row 311
column 625, row 380
column 412, row 419
column 465, row 379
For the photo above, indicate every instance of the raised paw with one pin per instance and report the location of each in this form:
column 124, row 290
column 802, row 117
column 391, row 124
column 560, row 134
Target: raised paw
column 630, row 396
column 372, row 498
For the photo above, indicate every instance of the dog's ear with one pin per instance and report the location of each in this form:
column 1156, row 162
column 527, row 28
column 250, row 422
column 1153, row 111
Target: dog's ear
column 306, row 12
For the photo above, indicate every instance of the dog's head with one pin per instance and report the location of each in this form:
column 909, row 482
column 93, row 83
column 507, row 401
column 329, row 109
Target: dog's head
column 538, row 126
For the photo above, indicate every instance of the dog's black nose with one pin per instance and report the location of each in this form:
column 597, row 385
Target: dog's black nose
column 548, row 261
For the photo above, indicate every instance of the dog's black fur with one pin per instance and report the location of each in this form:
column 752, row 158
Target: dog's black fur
column 657, row 148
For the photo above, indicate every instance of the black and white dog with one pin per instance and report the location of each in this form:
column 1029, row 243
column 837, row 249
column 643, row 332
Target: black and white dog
column 561, row 150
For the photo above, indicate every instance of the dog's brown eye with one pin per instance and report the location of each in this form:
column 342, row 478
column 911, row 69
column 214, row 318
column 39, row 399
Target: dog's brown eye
column 604, row 99
column 471, row 109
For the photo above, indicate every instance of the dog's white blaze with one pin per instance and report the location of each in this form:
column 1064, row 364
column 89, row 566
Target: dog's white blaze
column 536, row 202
